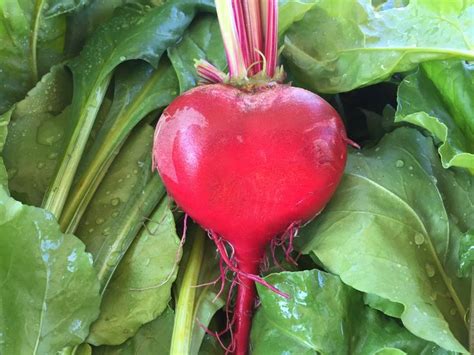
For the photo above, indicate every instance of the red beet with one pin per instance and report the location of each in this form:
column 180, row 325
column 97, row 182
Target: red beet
column 247, row 164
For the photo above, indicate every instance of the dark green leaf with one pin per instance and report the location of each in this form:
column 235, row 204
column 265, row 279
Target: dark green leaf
column 88, row 19
column 203, row 40
column 324, row 316
column 49, row 294
column 439, row 98
column 386, row 232
column 139, row 89
column 152, row 338
column 340, row 45
column 36, row 135
column 133, row 33
column 142, row 281
column 4, row 119
column 32, row 38
column 125, row 198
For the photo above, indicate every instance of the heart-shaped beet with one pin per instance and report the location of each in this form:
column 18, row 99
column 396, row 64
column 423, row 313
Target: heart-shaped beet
column 248, row 164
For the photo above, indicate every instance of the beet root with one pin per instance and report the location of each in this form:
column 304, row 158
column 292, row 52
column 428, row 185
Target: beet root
column 246, row 165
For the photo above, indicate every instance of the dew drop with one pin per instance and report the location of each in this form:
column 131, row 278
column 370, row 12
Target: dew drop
column 115, row 201
column 53, row 156
column 115, row 214
column 106, row 232
column 120, row 180
column 49, row 132
column 122, row 58
column 419, row 239
column 128, row 176
column 107, row 192
column 91, row 230
column 147, row 262
column 135, row 171
column 410, row 167
column 40, row 165
column 430, row 271
column 99, row 221
column 399, row 163
column 452, row 311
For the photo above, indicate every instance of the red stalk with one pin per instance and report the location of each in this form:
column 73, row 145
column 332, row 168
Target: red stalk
column 239, row 20
column 254, row 32
column 244, row 307
column 271, row 34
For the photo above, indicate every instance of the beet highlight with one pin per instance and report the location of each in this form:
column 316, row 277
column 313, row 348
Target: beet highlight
column 247, row 157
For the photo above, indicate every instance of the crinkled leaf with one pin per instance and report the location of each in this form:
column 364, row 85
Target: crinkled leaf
column 124, row 199
column 202, row 40
column 324, row 316
column 152, row 338
column 440, row 98
column 32, row 37
column 375, row 43
column 142, row 282
column 387, row 232
column 50, row 293
column 139, row 89
column 36, row 136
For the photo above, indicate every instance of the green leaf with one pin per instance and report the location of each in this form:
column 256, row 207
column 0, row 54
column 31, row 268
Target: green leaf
column 202, row 40
column 32, row 37
column 391, row 309
column 139, row 89
column 49, row 294
column 439, row 98
column 152, row 338
column 375, row 44
column 324, row 316
column 127, row 195
column 115, row 42
column 4, row 119
column 36, row 136
column 142, row 282
column 197, row 305
column 291, row 11
column 88, row 19
column 386, row 232
column 466, row 252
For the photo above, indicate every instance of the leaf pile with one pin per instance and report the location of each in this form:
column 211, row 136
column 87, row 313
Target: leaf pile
column 90, row 254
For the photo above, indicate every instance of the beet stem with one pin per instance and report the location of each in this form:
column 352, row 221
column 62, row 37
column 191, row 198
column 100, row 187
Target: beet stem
column 244, row 308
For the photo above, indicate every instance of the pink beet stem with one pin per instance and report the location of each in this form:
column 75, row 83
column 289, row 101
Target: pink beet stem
column 242, row 33
column 270, row 8
column 254, row 33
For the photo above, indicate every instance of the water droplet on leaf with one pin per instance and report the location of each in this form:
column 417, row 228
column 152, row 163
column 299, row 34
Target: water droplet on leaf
column 99, row 221
column 115, row 201
column 419, row 239
column 49, row 132
column 430, row 271
column 399, row 163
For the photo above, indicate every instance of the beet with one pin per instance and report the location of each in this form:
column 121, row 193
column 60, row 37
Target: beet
column 248, row 163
